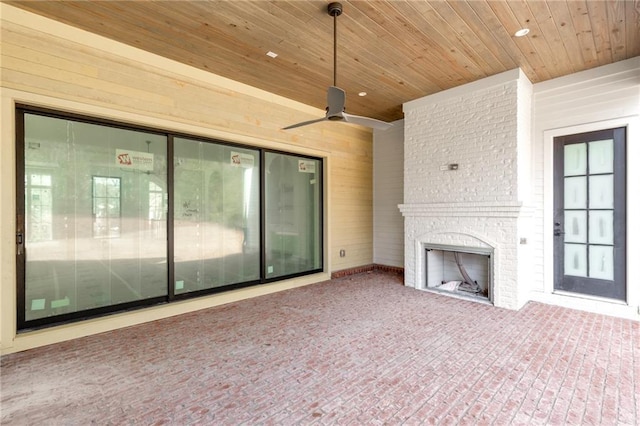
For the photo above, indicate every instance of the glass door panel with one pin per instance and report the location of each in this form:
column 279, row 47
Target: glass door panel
column 293, row 205
column 216, row 215
column 575, row 192
column 87, row 239
column 601, row 227
column 575, row 225
column 601, row 191
column 575, row 160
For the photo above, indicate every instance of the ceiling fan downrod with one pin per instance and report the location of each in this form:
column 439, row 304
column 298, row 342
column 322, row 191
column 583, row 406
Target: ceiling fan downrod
column 335, row 9
column 336, row 97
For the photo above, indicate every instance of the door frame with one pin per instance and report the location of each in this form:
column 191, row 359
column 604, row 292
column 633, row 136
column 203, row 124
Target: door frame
column 618, row 291
column 592, row 303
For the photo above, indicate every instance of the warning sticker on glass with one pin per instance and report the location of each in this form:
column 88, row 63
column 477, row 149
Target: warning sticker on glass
column 306, row 166
column 134, row 159
column 239, row 159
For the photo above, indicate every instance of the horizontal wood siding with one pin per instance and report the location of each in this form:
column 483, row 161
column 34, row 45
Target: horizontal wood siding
column 388, row 193
column 605, row 93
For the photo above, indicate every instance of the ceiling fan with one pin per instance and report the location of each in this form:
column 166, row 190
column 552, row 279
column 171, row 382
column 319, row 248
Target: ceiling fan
column 336, row 97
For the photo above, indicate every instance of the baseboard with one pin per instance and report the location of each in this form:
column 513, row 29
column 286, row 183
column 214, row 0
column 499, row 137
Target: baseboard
column 368, row 268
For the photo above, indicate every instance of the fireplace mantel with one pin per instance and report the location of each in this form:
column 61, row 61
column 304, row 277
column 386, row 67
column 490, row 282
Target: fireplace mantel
column 514, row 209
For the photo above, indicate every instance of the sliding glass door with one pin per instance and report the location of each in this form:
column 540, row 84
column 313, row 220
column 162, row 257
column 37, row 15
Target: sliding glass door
column 216, row 215
column 113, row 217
column 293, row 204
column 92, row 235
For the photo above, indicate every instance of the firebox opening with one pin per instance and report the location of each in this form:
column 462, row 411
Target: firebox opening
column 459, row 272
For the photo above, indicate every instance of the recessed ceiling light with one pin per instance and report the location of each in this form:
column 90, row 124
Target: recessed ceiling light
column 362, row 94
column 522, row 32
column 272, row 54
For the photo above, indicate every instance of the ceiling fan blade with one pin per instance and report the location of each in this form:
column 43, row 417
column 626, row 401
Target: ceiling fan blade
column 304, row 123
column 366, row 121
column 335, row 101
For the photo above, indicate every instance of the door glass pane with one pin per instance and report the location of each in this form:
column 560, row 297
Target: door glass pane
column 217, row 215
column 575, row 226
column 601, row 262
column 575, row 260
column 293, row 214
column 575, row 159
column 601, row 227
column 601, row 192
column 601, row 157
column 575, row 193
column 70, row 270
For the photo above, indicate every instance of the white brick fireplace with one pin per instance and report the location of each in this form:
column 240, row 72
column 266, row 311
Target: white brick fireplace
column 467, row 181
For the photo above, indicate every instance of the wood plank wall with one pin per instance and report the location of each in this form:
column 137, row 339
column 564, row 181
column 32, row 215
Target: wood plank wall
column 388, row 193
column 72, row 68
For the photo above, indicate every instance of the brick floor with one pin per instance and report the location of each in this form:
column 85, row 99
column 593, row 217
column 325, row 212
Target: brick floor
column 356, row 350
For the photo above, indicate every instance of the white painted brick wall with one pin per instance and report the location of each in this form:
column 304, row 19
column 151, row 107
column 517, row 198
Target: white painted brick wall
column 478, row 127
column 498, row 233
column 478, row 132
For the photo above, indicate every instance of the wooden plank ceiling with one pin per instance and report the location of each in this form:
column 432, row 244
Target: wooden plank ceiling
column 396, row 50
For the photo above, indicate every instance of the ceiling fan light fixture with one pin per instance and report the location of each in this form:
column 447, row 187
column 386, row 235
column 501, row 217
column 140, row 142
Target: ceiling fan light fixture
column 521, row 32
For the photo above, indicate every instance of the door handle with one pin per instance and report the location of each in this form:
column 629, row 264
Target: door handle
column 557, row 231
column 20, row 243
column 20, row 234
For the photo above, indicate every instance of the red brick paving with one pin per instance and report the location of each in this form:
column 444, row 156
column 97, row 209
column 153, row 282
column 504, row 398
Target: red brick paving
column 356, row 350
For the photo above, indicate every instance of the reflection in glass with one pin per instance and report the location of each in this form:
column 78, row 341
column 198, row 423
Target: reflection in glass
column 293, row 212
column 601, row 192
column 39, row 207
column 575, row 193
column 575, row 226
column 95, row 174
column 601, row 157
column 217, row 215
column 106, row 207
column 575, row 260
column 575, row 159
column 601, row 262
column 601, row 227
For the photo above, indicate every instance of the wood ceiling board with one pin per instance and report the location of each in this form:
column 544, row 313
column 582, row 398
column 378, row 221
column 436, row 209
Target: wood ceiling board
column 632, row 23
column 582, row 24
column 456, row 28
column 456, row 49
column 479, row 30
column 616, row 30
column 302, row 79
column 600, row 32
column 526, row 48
column 396, row 50
column 503, row 38
column 411, row 45
column 567, row 33
column 546, row 37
